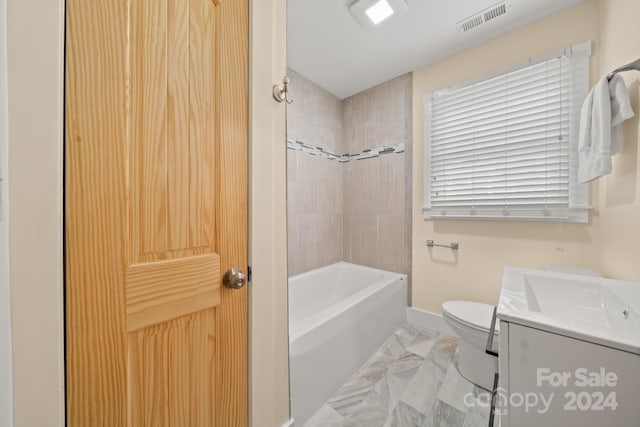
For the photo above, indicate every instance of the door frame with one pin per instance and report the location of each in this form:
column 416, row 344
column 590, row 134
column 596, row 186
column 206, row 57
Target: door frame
column 6, row 392
column 36, row 88
column 268, row 293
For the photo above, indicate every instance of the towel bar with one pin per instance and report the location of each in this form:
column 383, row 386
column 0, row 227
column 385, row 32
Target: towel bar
column 631, row 66
column 454, row 246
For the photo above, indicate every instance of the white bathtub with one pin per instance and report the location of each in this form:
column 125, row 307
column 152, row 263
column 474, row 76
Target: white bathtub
column 339, row 316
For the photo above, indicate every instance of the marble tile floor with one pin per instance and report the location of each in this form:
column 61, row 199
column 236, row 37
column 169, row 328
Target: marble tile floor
column 411, row 381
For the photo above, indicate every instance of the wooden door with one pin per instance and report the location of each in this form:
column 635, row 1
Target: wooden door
column 156, row 212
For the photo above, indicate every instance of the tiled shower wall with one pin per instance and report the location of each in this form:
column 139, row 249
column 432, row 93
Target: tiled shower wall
column 314, row 184
column 376, row 220
column 348, row 176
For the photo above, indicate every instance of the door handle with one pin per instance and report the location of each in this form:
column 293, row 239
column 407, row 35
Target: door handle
column 234, row 279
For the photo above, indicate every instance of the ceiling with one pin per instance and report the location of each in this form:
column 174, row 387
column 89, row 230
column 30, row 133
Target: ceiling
column 327, row 45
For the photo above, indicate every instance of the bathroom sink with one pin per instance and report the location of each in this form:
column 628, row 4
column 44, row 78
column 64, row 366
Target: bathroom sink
column 593, row 309
column 570, row 298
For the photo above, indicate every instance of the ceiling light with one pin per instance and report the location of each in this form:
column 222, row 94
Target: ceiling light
column 372, row 13
column 379, row 12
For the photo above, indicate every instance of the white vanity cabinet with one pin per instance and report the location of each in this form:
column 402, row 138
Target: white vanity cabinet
column 550, row 379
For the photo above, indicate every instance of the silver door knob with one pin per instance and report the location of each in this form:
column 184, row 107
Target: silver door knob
column 234, row 279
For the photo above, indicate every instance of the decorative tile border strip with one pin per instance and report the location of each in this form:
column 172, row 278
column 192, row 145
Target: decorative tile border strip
column 312, row 150
column 345, row 158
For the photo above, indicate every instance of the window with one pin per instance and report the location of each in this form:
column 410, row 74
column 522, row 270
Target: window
column 505, row 147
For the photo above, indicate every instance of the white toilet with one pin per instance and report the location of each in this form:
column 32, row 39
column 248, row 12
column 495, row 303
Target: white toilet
column 471, row 322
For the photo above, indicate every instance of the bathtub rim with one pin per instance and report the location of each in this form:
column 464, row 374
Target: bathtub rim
column 312, row 321
column 338, row 264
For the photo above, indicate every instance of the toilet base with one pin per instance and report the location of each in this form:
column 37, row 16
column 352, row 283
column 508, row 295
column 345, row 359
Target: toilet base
column 476, row 365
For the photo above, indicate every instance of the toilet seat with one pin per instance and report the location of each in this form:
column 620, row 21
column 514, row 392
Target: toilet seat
column 474, row 315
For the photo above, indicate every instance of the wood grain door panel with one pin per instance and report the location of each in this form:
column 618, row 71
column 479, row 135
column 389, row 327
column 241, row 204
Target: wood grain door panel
column 173, row 120
column 156, row 201
column 167, row 385
column 159, row 291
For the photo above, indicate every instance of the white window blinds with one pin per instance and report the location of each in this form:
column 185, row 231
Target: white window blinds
column 506, row 147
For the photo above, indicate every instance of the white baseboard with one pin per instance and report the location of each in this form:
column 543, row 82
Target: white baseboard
column 428, row 320
column 290, row 423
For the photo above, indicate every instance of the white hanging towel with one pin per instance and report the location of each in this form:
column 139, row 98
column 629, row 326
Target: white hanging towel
column 603, row 110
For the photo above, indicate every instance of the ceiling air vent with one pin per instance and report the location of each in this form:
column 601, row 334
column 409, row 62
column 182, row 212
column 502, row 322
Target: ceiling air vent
column 482, row 17
column 471, row 23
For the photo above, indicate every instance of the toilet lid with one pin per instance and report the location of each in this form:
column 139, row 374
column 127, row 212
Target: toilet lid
column 473, row 314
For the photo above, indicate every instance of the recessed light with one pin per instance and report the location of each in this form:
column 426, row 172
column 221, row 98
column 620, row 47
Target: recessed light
column 372, row 13
column 379, row 12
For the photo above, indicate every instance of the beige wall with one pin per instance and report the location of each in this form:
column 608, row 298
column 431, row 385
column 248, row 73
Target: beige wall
column 474, row 272
column 618, row 207
column 314, row 184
